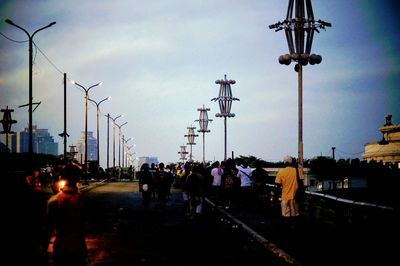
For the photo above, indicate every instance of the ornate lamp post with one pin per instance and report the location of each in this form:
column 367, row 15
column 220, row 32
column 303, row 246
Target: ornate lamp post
column 7, row 122
column 183, row 153
column 30, row 76
column 119, row 142
column 191, row 135
column 97, row 125
column 203, row 121
column 72, row 151
column 299, row 31
column 225, row 103
column 86, row 116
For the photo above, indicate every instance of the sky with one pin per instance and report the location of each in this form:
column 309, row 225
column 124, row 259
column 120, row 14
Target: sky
column 159, row 60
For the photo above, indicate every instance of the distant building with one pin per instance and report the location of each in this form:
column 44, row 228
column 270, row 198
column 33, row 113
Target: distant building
column 45, row 142
column 388, row 149
column 91, row 147
column 42, row 141
column 148, row 160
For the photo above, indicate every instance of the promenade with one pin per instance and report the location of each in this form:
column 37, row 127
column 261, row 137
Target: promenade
column 121, row 233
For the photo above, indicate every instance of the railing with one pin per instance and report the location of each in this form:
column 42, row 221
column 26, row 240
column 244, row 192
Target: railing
column 334, row 210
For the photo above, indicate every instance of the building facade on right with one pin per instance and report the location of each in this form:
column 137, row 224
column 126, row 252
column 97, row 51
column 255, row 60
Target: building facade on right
column 388, row 149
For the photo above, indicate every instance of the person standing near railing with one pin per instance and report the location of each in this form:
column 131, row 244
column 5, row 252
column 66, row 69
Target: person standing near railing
column 287, row 179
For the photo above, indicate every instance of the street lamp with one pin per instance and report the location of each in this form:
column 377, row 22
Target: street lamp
column 203, row 121
column 119, row 142
column 182, row 153
column 97, row 125
column 30, row 76
column 303, row 26
column 225, row 103
column 128, row 154
column 190, row 135
column 124, row 143
column 86, row 115
column 113, row 119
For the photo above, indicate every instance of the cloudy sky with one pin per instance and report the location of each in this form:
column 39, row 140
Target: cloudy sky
column 159, row 60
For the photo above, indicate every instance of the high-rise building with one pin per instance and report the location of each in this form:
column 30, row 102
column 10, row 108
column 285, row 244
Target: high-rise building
column 43, row 142
column 91, row 148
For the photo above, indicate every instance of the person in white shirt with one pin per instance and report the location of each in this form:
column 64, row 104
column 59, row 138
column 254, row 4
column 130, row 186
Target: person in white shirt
column 245, row 174
column 216, row 173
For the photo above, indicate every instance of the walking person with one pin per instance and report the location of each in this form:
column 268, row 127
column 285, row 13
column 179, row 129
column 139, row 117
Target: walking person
column 230, row 184
column 196, row 188
column 260, row 179
column 216, row 173
column 245, row 175
column 185, row 194
column 145, row 184
column 66, row 220
column 163, row 183
column 287, row 179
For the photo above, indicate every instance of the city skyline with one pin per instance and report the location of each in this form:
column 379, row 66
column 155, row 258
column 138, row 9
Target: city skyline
column 159, row 60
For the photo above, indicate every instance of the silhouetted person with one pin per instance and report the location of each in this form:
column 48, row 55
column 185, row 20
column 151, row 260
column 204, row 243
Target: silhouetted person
column 195, row 185
column 230, row 183
column 145, row 184
column 163, row 183
column 66, row 212
column 260, row 179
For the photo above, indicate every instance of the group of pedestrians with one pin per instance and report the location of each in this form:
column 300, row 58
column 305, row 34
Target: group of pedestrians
column 227, row 183
column 155, row 183
column 235, row 184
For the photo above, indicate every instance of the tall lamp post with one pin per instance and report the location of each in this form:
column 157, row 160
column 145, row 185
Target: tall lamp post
column 86, row 116
column 203, row 121
column 225, row 103
column 128, row 154
column 124, row 144
column 191, row 135
column 114, row 119
column 30, row 76
column 299, row 31
column 97, row 125
column 119, row 142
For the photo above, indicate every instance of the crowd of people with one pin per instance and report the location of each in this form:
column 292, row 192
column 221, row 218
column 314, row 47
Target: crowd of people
column 230, row 184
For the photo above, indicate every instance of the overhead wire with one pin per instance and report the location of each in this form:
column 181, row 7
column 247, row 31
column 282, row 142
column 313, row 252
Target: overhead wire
column 10, row 39
column 43, row 53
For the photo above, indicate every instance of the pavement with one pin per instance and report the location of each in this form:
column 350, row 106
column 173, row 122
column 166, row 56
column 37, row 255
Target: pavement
column 260, row 230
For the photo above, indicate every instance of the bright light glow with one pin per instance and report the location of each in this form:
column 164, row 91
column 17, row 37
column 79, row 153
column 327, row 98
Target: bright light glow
column 61, row 184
